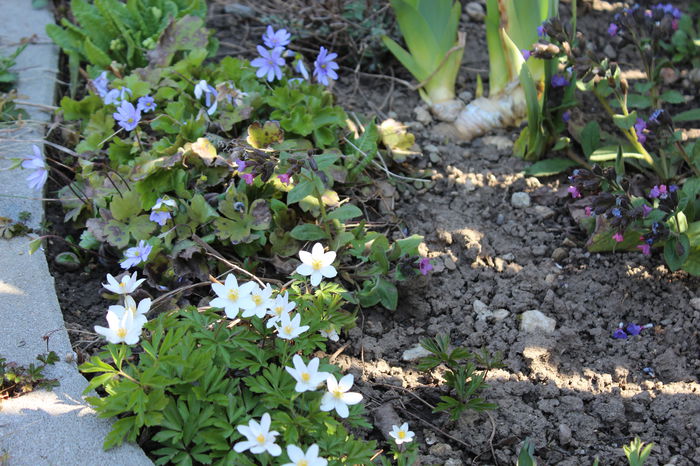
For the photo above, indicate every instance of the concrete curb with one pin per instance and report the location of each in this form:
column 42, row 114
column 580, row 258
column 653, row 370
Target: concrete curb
column 42, row 427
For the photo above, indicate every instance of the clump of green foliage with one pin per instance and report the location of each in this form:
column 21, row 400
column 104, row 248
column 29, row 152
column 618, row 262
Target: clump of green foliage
column 8, row 108
column 466, row 375
column 16, row 380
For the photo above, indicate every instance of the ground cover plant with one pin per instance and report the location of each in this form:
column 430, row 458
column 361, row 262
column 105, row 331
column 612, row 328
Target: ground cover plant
column 483, row 249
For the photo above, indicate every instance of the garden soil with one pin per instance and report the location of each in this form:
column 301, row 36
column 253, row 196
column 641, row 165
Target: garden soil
column 574, row 390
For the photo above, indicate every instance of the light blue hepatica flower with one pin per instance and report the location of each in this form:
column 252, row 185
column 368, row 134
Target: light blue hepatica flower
column 270, row 63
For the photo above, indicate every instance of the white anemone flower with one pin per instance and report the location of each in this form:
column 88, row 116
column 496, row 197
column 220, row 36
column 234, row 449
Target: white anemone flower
column 307, row 376
column 278, row 307
column 138, row 312
column 127, row 285
column 299, row 458
column 261, row 302
column 124, row 328
column 231, row 297
column 331, row 334
column 289, row 328
column 317, row 264
column 259, row 437
column 401, row 434
column 339, row 397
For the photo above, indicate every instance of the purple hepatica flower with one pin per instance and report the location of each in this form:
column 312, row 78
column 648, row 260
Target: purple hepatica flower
column 269, row 63
column 100, row 84
column 274, row 39
column 160, row 213
column 210, row 95
column 136, row 255
column 37, row 178
column 526, row 54
column 540, row 31
column 425, row 266
column 634, row 329
column 248, row 178
column 559, row 81
column 117, row 96
column 160, row 217
column 127, row 116
column 300, row 68
column 573, row 190
column 146, row 104
column 639, row 128
column 566, row 116
column 612, row 29
column 645, row 249
column 618, row 237
column 619, row 334
column 646, row 210
column 284, row 178
column 324, row 66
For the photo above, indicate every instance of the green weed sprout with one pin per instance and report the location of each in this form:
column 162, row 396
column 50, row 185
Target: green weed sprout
column 435, row 49
column 637, row 452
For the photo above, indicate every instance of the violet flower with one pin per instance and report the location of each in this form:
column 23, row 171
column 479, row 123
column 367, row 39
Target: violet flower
column 612, row 29
column 269, row 63
column 634, row 329
column 136, row 255
column 639, row 128
column 274, row 39
column 425, row 266
column 37, row 178
column 573, row 190
column 240, row 165
column 619, row 334
column 127, row 116
column 559, row 81
column 146, row 104
column 324, row 66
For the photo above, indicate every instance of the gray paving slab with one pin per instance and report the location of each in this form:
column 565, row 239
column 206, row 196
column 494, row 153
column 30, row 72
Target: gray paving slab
column 44, row 427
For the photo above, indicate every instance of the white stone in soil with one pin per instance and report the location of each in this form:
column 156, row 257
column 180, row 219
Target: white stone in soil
column 535, row 321
column 520, row 200
column 695, row 302
column 415, row 353
column 481, row 309
column 423, row 115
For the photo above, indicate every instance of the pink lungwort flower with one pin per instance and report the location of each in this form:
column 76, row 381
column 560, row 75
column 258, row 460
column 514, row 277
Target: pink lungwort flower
column 618, row 237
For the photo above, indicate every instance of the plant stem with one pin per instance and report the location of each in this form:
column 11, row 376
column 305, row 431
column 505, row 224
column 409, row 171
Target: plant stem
column 685, row 156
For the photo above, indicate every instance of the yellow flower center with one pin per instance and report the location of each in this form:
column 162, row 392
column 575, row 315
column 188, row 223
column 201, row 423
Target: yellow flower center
column 260, row 438
column 257, row 299
column 132, row 309
column 305, row 376
column 130, row 120
column 121, row 332
column 233, row 295
column 337, row 393
column 122, row 284
column 288, row 329
column 278, row 310
column 316, row 264
column 302, row 463
column 402, row 434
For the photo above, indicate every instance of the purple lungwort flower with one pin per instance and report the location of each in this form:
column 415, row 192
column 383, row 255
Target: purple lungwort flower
column 146, row 104
column 618, row 237
column 100, row 84
column 616, row 212
column 526, row 54
column 284, row 178
column 559, row 81
column 274, row 39
column 37, row 178
column 566, row 116
column 324, row 66
column 136, row 255
column 645, row 249
column 612, row 29
column 655, row 115
column 117, row 96
column 248, row 178
column 619, row 334
column 425, row 266
column 240, row 165
column 660, row 192
column 210, row 95
column 639, row 128
column 540, row 31
column 646, row 210
column 573, row 190
column 269, row 63
column 634, row 329
column 127, row 116
column 588, row 211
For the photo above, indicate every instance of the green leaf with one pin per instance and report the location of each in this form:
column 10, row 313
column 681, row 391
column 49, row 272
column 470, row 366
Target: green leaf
column 95, row 55
column 549, row 167
column 200, row 210
column 125, row 206
column 141, row 227
column 345, row 212
column 625, row 121
column 608, row 153
column 300, row 191
column 672, row 97
column 308, row 232
column 590, row 138
column 688, row 115
column 676, row 251
column 34, row 245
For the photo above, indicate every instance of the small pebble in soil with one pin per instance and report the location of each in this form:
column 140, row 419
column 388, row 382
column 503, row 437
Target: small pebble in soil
column 481, row 310
column 535, row 321
column 520, row 200
column 695, row 302
column 500, row 314
column 559, row 254
column 564, row 434
column 423, row 115
column 500, row 219
column 415, row 353
column 466, row 96
column 440, row 450
column 543, row 212
column 475, row 11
